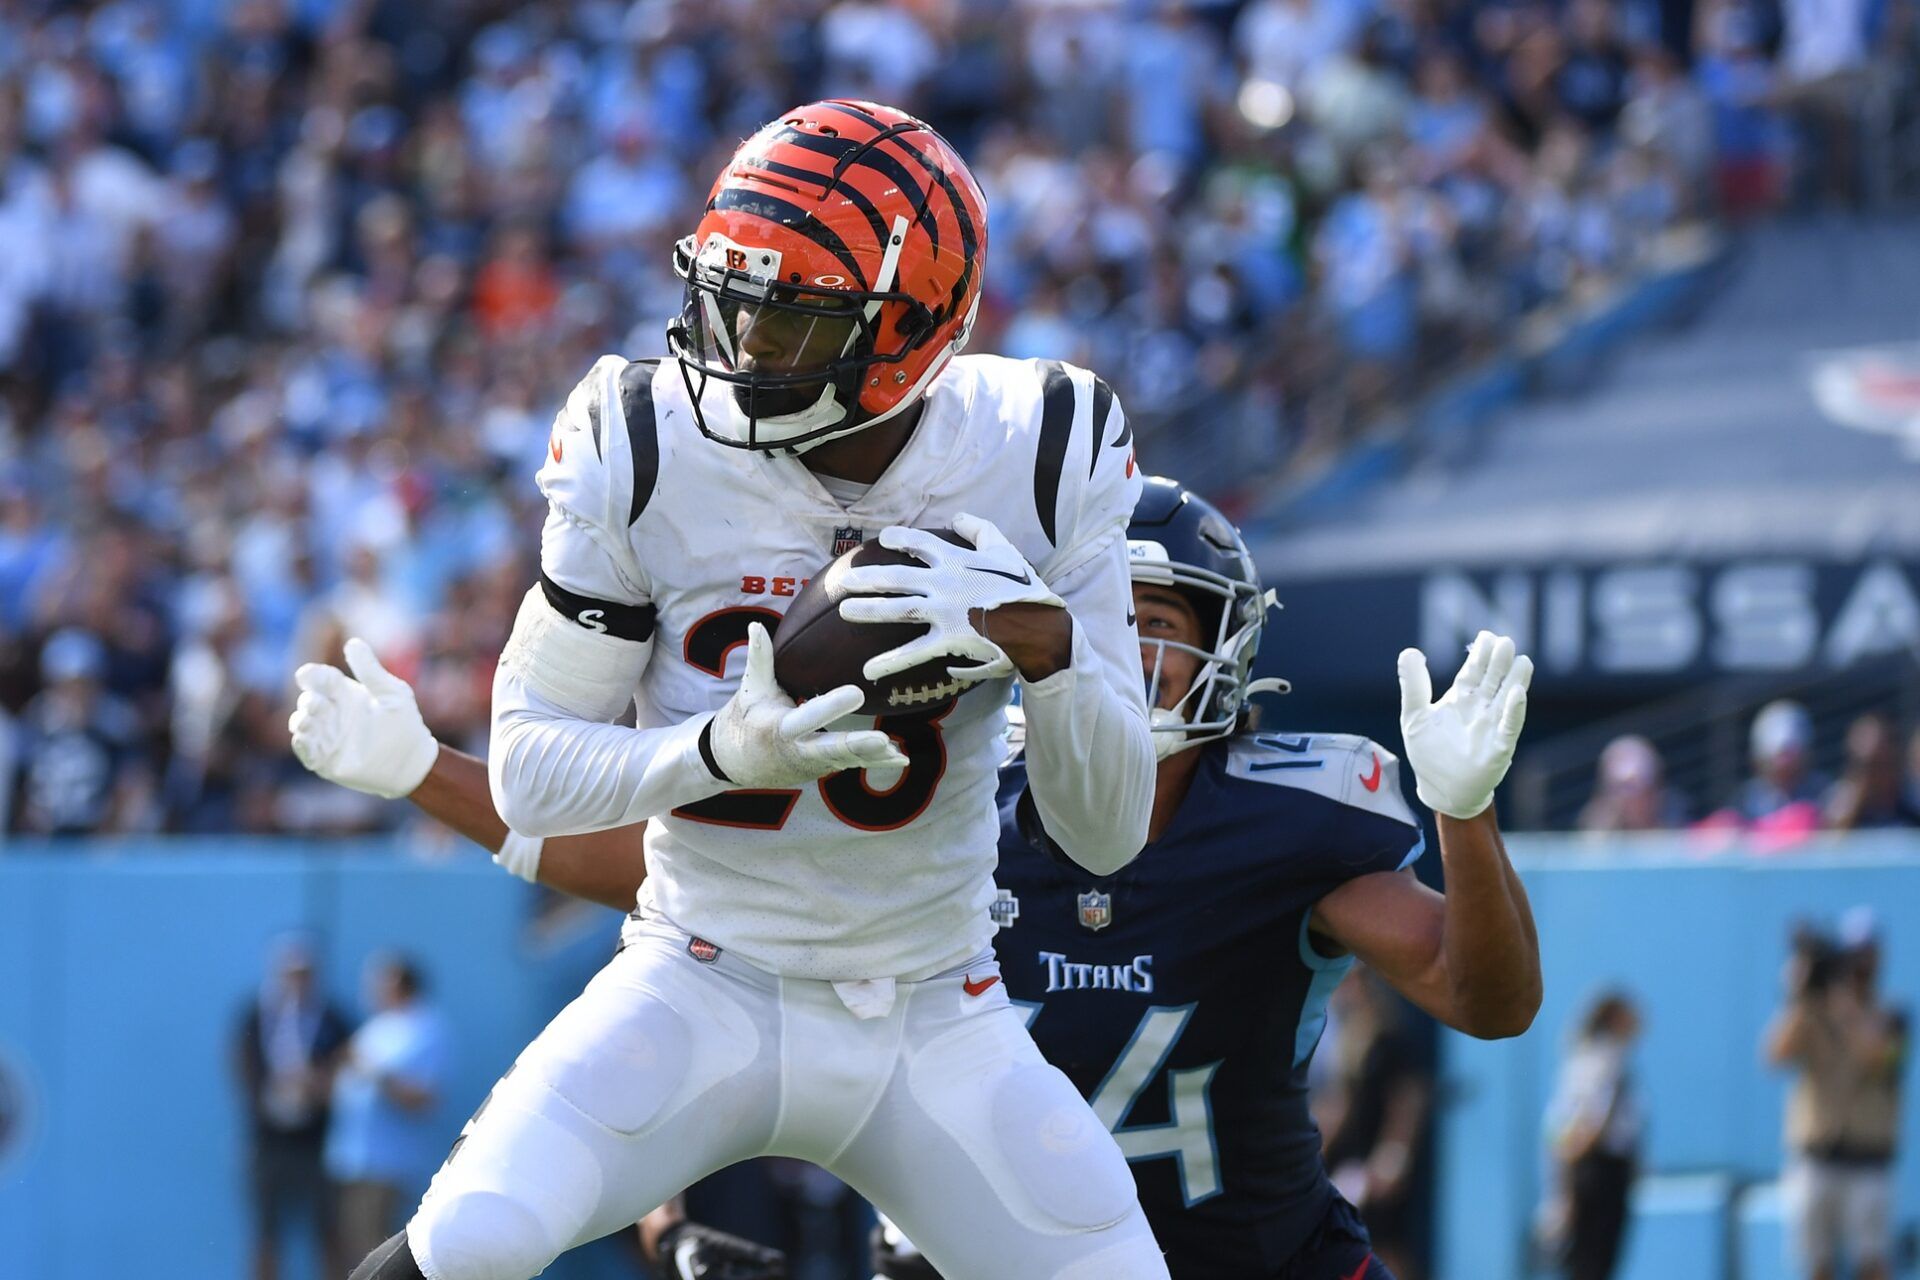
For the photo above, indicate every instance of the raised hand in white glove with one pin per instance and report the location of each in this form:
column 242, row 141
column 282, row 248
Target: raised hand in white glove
column 366, row 732
column 762, row 739
column 1460, row 746
column 942, row 592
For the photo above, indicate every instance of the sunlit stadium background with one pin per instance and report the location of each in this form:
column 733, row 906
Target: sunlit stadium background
column 1595, row 321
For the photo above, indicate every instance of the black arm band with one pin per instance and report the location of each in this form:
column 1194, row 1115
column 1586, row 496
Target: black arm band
column 624, row 621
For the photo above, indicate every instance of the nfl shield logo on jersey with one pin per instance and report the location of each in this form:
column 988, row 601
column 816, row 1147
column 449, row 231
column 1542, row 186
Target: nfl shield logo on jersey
column 1096, row 909
column 1005, row 909
column 846, row 538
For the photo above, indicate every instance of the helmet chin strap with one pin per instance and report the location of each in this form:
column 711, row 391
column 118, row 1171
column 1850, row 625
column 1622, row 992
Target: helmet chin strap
column 824, row 410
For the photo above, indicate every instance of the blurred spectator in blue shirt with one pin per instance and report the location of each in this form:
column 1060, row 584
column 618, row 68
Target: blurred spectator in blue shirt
column 1740, row 84
column 1364, row 251
column 1780, row 745
column 386, row 1134
column 1592, row 80
column 83, row 772
column 628, row 193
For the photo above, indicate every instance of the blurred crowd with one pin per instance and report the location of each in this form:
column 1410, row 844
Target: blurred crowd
column 1785, row 797
column 292, row 287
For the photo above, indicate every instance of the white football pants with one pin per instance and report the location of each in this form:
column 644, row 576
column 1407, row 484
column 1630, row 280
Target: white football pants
column 667, row 1067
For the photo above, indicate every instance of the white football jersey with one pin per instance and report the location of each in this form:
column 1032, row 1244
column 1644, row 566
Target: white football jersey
column 857, row 875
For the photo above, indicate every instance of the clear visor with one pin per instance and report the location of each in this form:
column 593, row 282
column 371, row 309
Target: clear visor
column 733, row 323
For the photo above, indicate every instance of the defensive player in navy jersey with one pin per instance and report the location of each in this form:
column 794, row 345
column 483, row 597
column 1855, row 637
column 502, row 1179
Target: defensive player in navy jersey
column 1185, row 994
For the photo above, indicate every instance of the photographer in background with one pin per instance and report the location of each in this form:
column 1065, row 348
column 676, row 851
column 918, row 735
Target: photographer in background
column 1843, row 1112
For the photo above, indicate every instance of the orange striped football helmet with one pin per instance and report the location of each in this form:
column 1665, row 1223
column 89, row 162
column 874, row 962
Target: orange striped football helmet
column 835, row 272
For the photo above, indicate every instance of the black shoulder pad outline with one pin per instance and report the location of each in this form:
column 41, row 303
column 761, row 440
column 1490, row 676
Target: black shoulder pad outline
column 1102, row 409
column 643, row 436
column 1058, row 401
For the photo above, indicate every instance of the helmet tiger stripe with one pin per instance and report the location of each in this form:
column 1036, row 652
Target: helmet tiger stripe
column 841, row 209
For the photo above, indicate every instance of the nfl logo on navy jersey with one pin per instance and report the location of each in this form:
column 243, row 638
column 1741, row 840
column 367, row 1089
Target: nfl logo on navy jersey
column 846, row 538
column 1096, row 909
column 1005, row 909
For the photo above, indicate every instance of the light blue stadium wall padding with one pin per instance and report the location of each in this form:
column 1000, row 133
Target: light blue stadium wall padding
column 1677, row 1229
column 121, row 980
column 1700, row 940
column 1760, row 1240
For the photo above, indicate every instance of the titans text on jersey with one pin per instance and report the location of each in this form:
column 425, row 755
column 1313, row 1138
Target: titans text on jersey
column 1183, row 995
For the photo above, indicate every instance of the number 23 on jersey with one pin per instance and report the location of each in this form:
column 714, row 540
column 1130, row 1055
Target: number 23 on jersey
column 849, row 795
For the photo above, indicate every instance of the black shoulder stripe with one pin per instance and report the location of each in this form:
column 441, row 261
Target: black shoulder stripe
column 1056, row 428
column 626, row 621
column 1102, row 405
column 643, row 437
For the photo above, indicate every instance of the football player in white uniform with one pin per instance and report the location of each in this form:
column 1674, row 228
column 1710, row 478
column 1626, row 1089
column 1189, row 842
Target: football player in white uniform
column 809, row 972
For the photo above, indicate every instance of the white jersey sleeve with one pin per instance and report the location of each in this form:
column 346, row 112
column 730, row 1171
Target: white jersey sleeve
column 1090, row 761
column 584, row 636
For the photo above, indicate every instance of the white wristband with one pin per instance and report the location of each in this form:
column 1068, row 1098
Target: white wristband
column 520, row 855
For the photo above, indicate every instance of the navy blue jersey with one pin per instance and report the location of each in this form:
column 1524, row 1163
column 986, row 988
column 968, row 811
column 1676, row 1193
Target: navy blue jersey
column 1182, row 994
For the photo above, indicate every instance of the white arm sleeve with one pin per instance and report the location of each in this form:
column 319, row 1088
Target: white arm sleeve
column 580, row 645
column 553, row 767
column 553, row 775
column 1090, row 763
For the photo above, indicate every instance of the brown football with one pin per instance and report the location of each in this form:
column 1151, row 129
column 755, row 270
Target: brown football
column 815, row 650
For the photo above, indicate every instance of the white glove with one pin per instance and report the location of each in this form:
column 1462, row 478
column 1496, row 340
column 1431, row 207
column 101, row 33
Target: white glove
column 762, row 739
column 942, row 592
column 1460, row 746
column 363, row 733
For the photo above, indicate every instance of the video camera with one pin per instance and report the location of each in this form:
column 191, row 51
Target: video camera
column 1821, row 959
